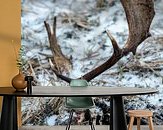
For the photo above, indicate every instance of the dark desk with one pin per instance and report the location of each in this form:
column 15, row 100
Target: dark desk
column 118, row 119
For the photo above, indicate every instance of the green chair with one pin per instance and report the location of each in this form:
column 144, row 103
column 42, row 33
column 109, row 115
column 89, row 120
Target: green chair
column 76, row 103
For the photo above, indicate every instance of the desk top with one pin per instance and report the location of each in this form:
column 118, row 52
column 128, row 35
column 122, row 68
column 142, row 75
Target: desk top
column 67, row 91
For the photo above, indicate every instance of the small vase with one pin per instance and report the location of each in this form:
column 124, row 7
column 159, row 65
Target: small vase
column 18, row 82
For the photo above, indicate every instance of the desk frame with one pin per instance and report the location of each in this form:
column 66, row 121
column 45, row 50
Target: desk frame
column 9, row 113
column 117, row 114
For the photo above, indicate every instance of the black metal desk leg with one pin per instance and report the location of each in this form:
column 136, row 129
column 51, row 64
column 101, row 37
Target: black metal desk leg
column 9, row 113
column 117, row 115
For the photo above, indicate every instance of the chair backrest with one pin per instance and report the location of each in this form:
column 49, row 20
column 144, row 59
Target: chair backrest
column 78, row 83
column 79, row 102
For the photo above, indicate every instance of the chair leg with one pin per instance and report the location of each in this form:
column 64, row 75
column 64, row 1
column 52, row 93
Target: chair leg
column 131, row 123
column 138, row 123
column 70, row 120
column 92, row 125
column 91, row 121
column 150, row 123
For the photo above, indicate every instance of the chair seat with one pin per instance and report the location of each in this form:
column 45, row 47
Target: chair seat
column 76, row 103
column 79, row 102
column 140, row 113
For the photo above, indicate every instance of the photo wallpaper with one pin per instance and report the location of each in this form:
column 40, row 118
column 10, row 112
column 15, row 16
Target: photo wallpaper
column 70, row 38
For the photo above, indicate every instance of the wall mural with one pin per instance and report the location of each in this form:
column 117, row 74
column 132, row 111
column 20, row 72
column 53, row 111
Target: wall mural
column 64, row 40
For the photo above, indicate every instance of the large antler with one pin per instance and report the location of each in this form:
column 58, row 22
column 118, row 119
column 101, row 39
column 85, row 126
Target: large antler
column 139, row 14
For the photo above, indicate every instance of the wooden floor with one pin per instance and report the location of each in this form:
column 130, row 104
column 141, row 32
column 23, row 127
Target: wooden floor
column 83, row 127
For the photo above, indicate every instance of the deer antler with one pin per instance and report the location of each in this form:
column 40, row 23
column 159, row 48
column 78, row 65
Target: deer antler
column 59, row 63
column 139, row 14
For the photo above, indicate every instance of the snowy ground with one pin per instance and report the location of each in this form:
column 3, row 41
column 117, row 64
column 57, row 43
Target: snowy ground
column 89, row 46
